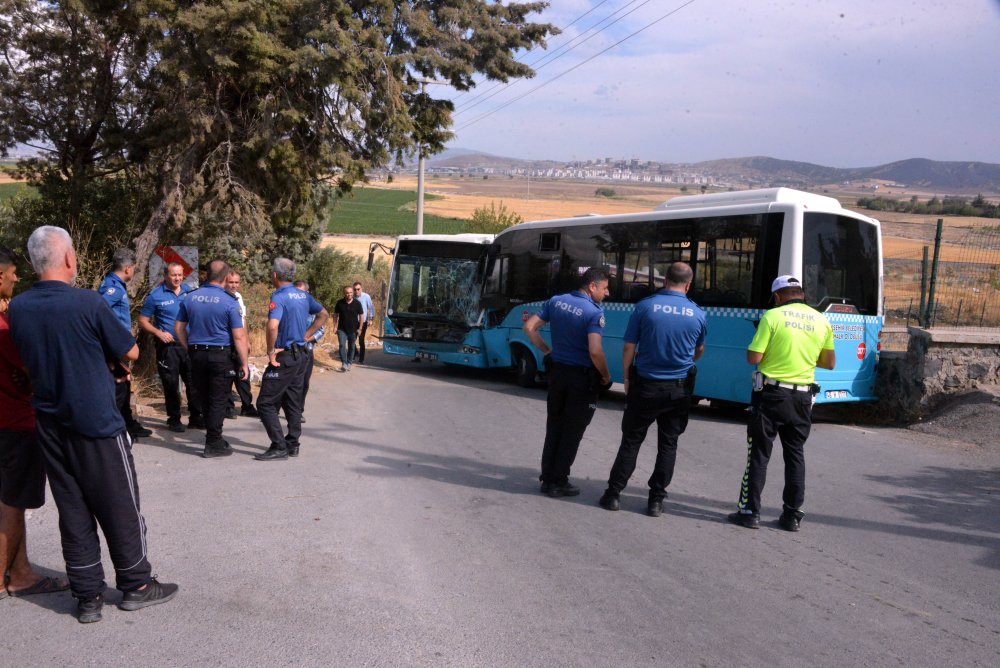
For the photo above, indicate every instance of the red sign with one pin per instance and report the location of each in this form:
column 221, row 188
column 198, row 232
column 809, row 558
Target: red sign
column 861, row 350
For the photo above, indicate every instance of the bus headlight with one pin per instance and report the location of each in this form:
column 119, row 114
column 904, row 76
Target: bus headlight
column 470, row 350
column 407, row 333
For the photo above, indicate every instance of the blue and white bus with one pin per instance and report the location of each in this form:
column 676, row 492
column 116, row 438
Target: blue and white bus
column 736, row 242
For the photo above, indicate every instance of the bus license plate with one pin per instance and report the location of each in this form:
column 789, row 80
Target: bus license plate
column 836, row 394
column 421, row 355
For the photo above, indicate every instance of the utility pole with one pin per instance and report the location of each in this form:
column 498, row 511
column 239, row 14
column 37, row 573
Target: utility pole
column 421, row 157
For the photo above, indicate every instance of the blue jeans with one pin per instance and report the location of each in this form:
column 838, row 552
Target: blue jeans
column 348, row 341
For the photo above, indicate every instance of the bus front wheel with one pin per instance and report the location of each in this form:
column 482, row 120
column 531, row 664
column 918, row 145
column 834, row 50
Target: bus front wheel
column 525, row 367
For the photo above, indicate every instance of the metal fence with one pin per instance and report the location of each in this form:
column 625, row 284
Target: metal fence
column 951, row 279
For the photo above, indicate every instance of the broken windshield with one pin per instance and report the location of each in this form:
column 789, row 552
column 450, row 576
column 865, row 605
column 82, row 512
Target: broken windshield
column 436, row 287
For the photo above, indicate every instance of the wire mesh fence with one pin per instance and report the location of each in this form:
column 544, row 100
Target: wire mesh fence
column 946, row 278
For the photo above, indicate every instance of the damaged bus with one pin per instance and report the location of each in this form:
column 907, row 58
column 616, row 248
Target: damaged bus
column 736, row 243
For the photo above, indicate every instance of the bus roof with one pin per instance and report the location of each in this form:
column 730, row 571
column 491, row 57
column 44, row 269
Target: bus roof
column 787, row 195
column 456, row 238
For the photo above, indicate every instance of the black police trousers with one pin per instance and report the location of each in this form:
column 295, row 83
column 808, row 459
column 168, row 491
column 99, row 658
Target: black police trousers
column 282, row 387
column 212, row 374
column 308, row 372
column 123, row 399
column 571, row 404
column 242, row 386
column 667, row 402
column 93, row 483
column 777, row 411
column 173, row 366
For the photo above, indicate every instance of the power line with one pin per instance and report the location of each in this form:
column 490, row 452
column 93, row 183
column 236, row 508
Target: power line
column 562, row 29
column 555, row 54
column 577, row 66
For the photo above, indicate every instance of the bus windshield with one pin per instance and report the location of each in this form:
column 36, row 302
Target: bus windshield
column 840, row 261
column 440, row 288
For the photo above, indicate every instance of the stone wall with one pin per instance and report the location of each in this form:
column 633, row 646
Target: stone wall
column 938, row 364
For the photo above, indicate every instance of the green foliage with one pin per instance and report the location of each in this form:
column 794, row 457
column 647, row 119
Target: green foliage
column 330, row 269
column 9, row 190
column 110, row 212
column 242, row 116
column 950, row 206
column 492, row 220
column 383, row 212
column 604, row 191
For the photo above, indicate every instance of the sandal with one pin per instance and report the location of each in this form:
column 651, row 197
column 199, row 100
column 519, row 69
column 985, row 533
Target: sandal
column 45, row 585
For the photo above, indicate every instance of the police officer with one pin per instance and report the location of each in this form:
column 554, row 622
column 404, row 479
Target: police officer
column 210, row 327
column 283, row 383
column 664, row 338
column 116, row 295
column 157, row 317
column 310, row 347
column 792, row 339
column 577, row 371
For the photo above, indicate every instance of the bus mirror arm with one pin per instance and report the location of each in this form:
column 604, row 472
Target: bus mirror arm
column 371, row 252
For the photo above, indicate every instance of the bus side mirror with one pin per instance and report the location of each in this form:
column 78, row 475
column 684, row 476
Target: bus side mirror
column 371, row 258
column 493, row 250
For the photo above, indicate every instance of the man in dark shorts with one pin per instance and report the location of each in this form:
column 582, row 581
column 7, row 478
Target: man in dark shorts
column 22, row 468
column 70, row 340
column 349, row 313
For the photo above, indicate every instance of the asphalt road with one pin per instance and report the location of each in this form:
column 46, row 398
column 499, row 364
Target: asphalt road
column 411, row 532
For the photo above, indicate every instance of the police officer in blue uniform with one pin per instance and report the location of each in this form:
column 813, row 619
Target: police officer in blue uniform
column 116, row 295
column 577, row 372
column 283, row 384
column 664, row 337
column 157, row 317
column 210, row 327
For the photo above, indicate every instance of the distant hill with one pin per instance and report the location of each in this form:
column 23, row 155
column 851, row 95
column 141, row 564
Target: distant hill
column 957, row 178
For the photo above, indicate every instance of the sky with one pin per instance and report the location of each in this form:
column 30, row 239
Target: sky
column 840, row 83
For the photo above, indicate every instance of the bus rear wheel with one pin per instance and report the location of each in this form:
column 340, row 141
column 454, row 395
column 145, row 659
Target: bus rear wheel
column 525, row 367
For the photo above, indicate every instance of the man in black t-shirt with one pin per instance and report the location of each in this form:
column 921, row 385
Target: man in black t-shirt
column 348, row 314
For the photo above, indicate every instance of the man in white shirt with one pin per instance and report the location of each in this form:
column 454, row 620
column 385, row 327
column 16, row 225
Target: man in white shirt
column 369, row 313
column 242, row 384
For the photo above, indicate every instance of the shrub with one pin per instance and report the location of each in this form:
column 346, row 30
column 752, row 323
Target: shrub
column 605, row 192
column 492, row 220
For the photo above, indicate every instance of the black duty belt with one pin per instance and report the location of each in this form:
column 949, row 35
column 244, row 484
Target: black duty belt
column 656, row 381
column 200, row 346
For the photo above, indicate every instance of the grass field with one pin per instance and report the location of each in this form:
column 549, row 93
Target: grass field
column 8, row 190
column 381, row 212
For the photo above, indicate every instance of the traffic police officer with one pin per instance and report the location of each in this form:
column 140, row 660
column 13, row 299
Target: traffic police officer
column 792, row 339
column 209, row 325
column 578, row 371
column 116, row 295
column 668, row 329
column 284, row 379
column 157, row 317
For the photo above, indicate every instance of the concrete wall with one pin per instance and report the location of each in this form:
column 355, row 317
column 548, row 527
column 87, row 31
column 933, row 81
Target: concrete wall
column 937, row 364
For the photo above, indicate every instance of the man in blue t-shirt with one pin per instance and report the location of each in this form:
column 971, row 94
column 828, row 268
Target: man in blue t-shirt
column 663, row 339
column 116, row 295
column 68, row 338
column 368, row 307
column 288, row 331
column 210, row 327
column 576, row 374
column 157, row 318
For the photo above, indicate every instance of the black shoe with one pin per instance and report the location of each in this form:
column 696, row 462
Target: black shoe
column 654, row 508
column 609, row 501
column 196, row 422
column 788, row 521
column 746, row 520
column 272, row 454
column 222, row 449
column 175, row 426
column 293, row 451
column 249, row 411
column 136, row 430
column 555, row 491
column 153, row 593
column 231, row 413
column 88, row 610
